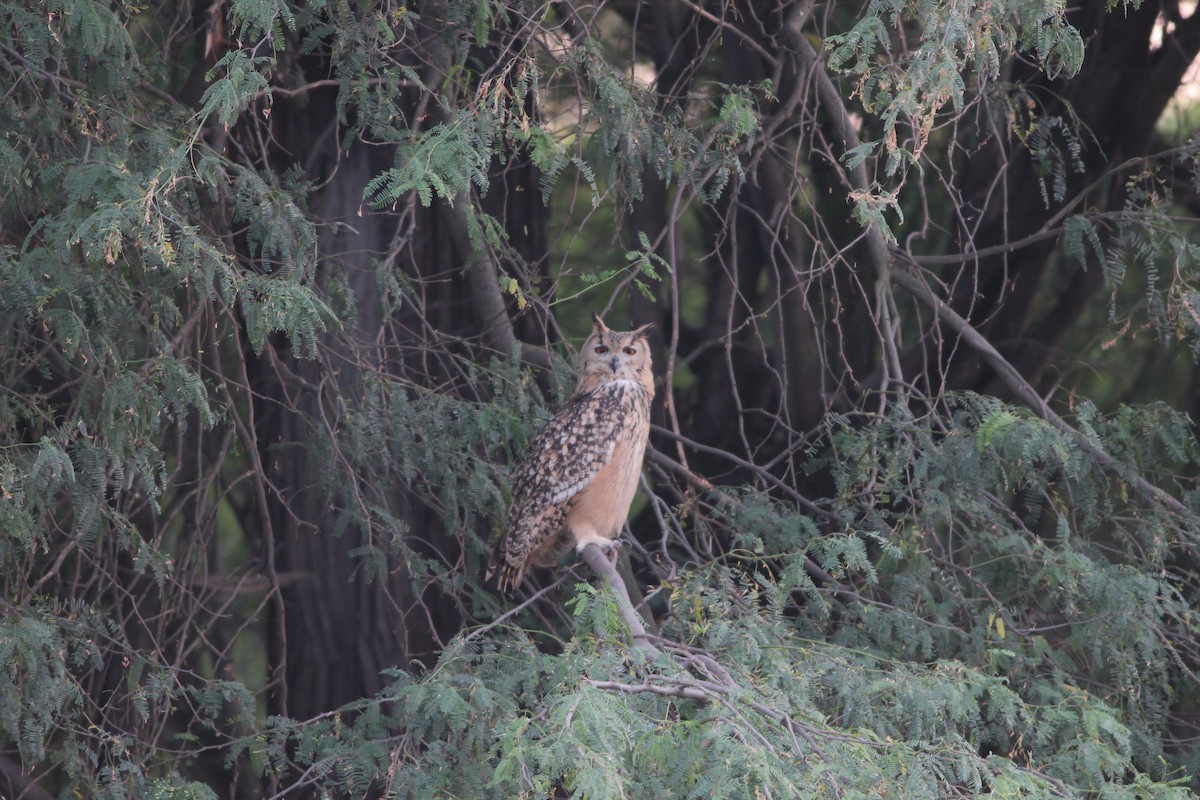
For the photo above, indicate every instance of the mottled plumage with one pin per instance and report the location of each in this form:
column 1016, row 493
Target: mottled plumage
column 575, row 485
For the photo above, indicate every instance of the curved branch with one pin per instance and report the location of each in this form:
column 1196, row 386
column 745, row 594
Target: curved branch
column 483, row 278
column 598, row 561
column 839, row 126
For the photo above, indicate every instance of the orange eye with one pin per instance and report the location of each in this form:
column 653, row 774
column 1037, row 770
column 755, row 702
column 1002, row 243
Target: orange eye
column 629, row 351
column 601, row 349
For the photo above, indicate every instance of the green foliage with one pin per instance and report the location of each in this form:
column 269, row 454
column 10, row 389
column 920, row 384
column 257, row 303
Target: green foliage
column 1160, row 256
column 648, row 264
column 230, row 95
column 444, row 161
column 116, row 294
column 1081, row 241
column 498, row 718
column 37, row 685
column 622, row 133
column 944, row 597
column 254, row 19
column 643, row 264
column 627, row 132
column 962, row 648
column 959, row 49
column 179, row 790
column 1077, row 575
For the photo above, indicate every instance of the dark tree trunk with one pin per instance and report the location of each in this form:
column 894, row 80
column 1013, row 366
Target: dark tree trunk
column 337, row 622
column 334, row 630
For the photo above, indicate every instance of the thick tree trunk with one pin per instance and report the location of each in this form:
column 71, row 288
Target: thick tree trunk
column 337, row 624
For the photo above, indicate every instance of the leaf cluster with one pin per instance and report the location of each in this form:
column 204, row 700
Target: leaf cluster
column 957, row 50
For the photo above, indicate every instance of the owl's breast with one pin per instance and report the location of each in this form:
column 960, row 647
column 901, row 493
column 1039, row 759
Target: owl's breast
column 602, row 506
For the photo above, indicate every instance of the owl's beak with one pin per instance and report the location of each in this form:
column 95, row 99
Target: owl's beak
column 612, row 362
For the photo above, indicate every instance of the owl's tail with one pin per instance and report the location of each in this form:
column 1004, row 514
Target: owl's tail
column 508, row 575
column 509, row 567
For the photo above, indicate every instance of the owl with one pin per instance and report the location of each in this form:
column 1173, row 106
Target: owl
column 575, row 485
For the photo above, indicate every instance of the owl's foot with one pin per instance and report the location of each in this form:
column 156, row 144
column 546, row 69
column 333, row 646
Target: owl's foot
column 609, row 547
column 612, row 549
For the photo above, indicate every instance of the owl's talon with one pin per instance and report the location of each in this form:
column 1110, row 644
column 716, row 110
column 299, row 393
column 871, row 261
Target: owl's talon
column 612, row 550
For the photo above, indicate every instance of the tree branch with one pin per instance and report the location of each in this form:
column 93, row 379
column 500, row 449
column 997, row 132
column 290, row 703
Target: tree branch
column 512, row 612
column 598, row 561
column 1017, row 383
column 839, row 126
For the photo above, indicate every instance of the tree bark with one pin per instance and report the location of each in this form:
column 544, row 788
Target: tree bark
column 334, row 631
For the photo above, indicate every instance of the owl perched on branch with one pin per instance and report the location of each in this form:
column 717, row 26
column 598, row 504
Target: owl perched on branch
column 575, row 485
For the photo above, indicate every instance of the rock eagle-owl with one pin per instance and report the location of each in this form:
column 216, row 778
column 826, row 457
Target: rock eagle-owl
column 574, row 486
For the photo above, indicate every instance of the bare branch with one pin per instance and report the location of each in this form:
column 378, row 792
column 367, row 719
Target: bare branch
column 1021, row 387
column 598, row 561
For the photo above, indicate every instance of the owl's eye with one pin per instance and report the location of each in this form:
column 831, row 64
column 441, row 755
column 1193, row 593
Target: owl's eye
column 629, row 351
column 601, row 349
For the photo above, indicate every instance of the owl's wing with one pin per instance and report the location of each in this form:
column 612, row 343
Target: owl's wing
column 562, row 460
column 571, row 449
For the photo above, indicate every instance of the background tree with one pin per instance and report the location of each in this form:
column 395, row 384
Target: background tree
column 286, row 287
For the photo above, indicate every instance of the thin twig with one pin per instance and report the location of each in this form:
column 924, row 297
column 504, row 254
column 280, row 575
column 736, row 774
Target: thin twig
column 514, row 610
